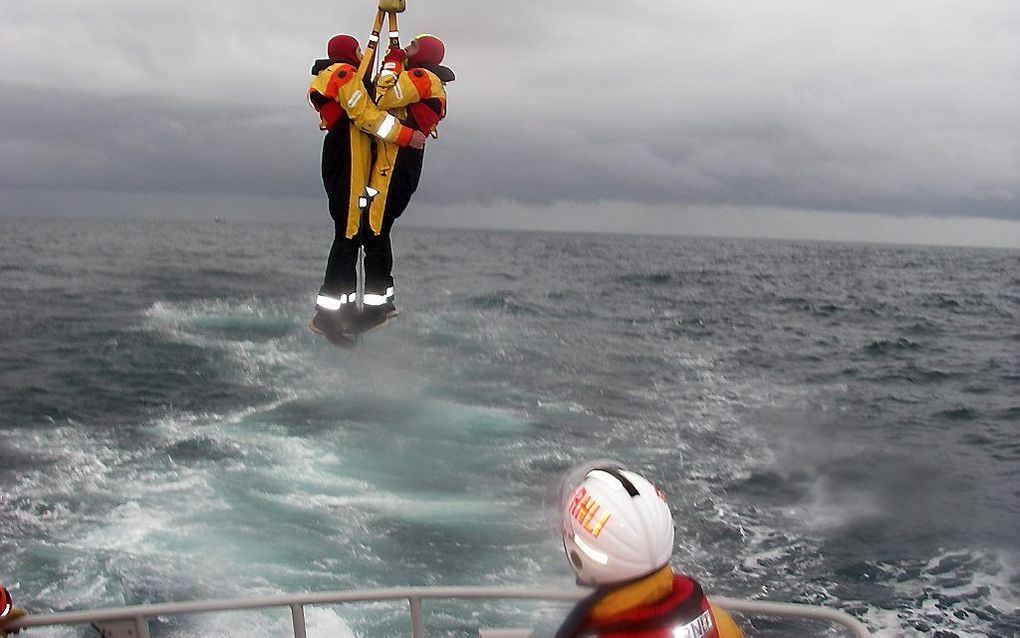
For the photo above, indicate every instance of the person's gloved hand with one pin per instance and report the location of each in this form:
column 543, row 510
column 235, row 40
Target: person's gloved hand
column 393, row 65
column 394, row 55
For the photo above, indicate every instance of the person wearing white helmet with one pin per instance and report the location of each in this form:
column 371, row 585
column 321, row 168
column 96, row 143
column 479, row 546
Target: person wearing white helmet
column 617, row 532
column 8, row 612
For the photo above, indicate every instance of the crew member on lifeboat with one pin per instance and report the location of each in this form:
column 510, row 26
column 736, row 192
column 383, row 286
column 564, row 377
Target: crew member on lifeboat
column 617, row 532
column 8, row 612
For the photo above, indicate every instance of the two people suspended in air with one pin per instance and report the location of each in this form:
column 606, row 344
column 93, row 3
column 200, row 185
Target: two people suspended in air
column 372, row 159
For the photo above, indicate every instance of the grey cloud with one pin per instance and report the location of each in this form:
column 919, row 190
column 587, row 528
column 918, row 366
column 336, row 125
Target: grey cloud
column 893, row 108
column 131, row 145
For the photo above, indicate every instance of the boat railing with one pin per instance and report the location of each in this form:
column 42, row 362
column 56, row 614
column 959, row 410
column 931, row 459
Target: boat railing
column 133, row 622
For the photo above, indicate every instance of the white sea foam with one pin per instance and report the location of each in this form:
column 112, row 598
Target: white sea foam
column 260, row 362
column 319, row 621
column 957, row 599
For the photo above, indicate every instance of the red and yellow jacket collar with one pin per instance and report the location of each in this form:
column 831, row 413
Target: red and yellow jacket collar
column 656, row 606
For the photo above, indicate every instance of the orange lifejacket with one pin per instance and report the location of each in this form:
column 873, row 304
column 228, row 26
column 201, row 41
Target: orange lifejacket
column 341, row 99
column 323, row 92
column 418, row 98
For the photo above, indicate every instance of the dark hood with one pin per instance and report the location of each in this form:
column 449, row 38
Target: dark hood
column 324, row 63
column 444, row 73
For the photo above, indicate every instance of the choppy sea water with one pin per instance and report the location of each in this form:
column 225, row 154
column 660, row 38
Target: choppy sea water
column 833, row 424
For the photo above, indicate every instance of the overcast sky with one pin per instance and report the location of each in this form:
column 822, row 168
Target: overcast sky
column 859, row 119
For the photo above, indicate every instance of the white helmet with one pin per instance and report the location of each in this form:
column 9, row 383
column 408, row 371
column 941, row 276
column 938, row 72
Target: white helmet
column 616, row 526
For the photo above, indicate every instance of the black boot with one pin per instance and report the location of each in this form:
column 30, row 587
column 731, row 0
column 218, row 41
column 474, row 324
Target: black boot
column 390, row 307
column 331, row 325
column 375, row 317
column 331, row 321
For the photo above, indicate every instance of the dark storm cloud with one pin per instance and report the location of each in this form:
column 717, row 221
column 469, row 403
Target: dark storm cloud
column 891, row 108
column 128, row 144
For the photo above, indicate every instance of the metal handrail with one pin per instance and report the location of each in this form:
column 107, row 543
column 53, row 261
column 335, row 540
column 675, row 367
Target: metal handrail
column 792, row 610
column 139, row 615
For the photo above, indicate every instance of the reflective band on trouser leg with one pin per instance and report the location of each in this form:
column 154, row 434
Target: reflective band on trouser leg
column 374, row 300
column 330, row 303
column 387, row 126
column 389, row 293
column 394, row 34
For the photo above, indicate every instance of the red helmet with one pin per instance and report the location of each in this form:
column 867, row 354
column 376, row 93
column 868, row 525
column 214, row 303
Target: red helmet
column 6, row 603
column 430, row 50
column 344, row 47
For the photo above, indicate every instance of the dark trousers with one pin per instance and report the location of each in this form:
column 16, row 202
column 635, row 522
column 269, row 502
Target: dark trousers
column 341, row 268
column 404, row 180
column 341, row 277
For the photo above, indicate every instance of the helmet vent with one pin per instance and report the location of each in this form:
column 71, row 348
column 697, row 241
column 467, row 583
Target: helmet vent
column 618, row 475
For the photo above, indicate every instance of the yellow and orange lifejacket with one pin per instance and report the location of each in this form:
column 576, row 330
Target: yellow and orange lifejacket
column 340, row 97
column 416, row 96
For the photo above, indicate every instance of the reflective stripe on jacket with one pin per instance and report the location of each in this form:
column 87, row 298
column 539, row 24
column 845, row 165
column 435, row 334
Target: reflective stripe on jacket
column 416, row 96
column 338, row 94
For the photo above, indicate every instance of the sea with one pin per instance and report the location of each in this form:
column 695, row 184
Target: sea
column 833, row 424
